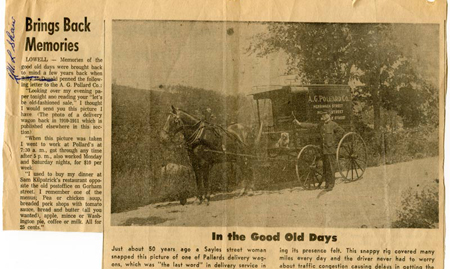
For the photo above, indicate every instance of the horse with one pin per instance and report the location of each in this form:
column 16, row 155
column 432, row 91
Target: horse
column 208, row 144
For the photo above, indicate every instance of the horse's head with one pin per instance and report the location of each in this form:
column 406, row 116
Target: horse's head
column 173, row 125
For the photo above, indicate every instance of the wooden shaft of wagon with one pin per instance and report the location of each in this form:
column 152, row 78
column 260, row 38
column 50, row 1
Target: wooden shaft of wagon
column 247, row 155
column 229, row 153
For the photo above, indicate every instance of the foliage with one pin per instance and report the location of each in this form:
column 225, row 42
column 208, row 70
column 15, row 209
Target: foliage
column 309, row 47
column 398, row 144
column 402, row 145
column 413, row 143
column 363, row 55
column 420, row 209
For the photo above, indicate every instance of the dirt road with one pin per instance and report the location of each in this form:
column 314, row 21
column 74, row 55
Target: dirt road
column 370, row 202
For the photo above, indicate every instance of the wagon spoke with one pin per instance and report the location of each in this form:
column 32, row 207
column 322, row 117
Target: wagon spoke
column 307, row 177
column 318, row 172
column 361, row 163
column 346, row 162
column 302, row 177
column 356, row 162
column 346, row 149
column 352, row 148
column 356, row 170
column 351, row 164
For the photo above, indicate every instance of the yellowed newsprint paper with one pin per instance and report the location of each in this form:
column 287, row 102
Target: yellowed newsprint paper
column 230, row 134
column 54, row 127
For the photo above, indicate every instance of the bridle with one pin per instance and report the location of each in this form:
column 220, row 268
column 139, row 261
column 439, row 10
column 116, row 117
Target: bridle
column 177, row 120
column 195, row 136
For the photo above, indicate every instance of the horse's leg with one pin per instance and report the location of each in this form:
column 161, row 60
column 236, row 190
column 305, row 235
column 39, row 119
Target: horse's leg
column 198, row 180
column 205, row 177
column 251, row 183
column 247, row 174
column 244, row 174
column 197, row 167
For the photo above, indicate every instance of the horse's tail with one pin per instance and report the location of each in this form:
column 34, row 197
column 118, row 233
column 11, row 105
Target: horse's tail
column 238, row 133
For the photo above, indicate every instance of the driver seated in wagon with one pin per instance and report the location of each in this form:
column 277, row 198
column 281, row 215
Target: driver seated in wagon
column 331, row 133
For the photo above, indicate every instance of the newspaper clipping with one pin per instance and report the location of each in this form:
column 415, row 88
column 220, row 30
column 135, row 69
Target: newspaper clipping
column 231, row 134
column 53, row 149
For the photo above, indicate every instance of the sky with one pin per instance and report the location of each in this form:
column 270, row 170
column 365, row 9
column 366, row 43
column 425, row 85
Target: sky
column 420, row 43
column 209, row 55
column 213, row 55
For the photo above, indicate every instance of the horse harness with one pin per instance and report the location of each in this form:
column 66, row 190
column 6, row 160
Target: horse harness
column 194, row 139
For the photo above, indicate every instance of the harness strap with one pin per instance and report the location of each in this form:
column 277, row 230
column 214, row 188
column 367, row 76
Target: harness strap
column 196, row 135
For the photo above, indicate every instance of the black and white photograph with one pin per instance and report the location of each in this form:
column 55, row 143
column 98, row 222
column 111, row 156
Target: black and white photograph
column 275, row 124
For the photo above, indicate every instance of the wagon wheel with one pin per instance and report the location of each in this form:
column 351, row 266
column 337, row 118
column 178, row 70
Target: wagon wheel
column 351, row 156
column 309, row 167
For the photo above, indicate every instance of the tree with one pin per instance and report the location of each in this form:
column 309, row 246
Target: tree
column 316, row 52
column 365, row 55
